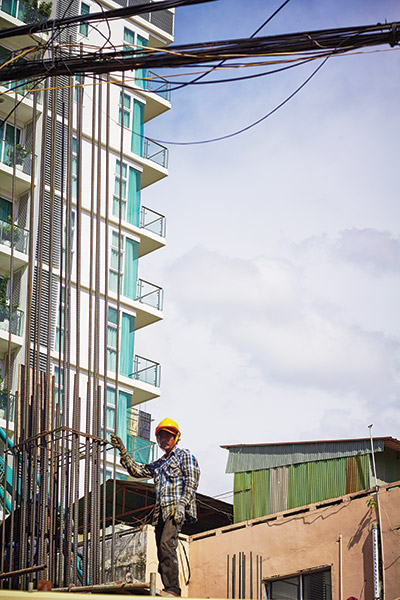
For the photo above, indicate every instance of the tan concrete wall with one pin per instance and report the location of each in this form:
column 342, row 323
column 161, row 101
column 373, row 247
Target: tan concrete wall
column 304, row 539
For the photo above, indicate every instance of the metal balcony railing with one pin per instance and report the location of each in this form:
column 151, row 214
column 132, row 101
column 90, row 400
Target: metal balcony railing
column 17, row 320
column 158, row 85
column 3, row 406
column 150, row 294
column 22, row 11
column 152, row 221
column 21, row 236
column 21, row 157
column 146, row 371
column 141, row 450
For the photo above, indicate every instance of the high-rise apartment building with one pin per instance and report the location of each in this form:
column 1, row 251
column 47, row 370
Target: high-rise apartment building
column 74, row 224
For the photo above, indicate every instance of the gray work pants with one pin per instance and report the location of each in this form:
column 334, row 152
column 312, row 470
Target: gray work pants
column 167, row 544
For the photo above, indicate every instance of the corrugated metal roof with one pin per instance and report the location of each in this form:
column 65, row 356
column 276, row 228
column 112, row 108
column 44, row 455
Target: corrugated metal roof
column 265, row 456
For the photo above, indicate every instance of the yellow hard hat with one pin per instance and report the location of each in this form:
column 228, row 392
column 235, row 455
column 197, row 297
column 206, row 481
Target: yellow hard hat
column 170, row 426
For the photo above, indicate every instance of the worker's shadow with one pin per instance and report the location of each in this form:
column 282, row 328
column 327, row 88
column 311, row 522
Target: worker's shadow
column 363, row 524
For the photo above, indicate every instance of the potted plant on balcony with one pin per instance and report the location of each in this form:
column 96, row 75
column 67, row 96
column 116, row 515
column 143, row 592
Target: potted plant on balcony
column 20, row 155
column 7, row 231
column 35, row 12
column 4, row 307
column 16, row 155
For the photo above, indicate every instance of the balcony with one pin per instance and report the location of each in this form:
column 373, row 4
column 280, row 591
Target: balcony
column 3, row 406
column 146, row 375
column 141, row 450
column 25, row 99
column 152, row 229
column 22, row 11
column 163, row 19
column 158, row 85
column 23, row 167
column 13, row 12
column 20, row 244
column 158, row 100
column 17, row 322
column 154, row 158
column 152, row 297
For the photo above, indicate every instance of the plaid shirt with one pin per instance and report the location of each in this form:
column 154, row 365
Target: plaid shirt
column 176, row 479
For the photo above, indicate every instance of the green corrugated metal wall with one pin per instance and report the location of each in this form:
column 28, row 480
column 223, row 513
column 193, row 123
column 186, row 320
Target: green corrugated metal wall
column 251, row 495
column 241, row 497
column 308, row 483
column 316, row 481
column 260, row 493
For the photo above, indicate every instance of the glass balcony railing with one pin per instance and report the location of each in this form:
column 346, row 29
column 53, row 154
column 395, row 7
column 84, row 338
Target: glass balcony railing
column 150, row 294
column 18, row 155
column 4, row 405
column 21, row 236
column 22, row 87
column 146, row 371
column 151, row 150
column 23, row 11
column 141, row 450
column 17, row 320
column 155, row 152
column 152, row 221
column 158, row 85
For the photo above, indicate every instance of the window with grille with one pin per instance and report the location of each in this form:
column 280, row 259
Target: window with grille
column 314, row 585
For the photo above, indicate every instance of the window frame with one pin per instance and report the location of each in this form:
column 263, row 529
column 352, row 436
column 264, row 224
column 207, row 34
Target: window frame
column 119, row 176
column 84, row 25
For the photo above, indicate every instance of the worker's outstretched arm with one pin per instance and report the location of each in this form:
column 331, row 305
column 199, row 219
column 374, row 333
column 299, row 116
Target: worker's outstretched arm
column 134, row 468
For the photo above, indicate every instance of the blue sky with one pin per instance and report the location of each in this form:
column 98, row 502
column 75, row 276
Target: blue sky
column 281, row 271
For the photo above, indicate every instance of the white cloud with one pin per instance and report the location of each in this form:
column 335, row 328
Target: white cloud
column 377, row 251
column 260, row 308
column 276, row 326
column 250, row 354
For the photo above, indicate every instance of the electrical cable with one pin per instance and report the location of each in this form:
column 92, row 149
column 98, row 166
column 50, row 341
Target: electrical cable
column 222, row 62
column 248, row 127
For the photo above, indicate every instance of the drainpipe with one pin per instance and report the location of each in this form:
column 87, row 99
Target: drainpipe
column 377, row 528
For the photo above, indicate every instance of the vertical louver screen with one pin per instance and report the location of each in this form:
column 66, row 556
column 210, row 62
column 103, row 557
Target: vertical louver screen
column 44, row 316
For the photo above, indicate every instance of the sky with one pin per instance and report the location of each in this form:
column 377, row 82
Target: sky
column 281, row 269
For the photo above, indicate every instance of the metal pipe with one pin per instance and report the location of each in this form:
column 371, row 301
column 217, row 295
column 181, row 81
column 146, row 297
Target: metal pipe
column 23, row 571
column 378, row 504
column 375, row 561
column 340, row 567
column 116, row 382
column 243, row 575
column 153, row 584
column 227, row 575
column 240, row 576
column 233, row 576
column 251, row 575
column 105, row 329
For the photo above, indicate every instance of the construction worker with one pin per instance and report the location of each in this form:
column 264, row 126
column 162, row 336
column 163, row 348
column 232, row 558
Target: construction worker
column 176, row 477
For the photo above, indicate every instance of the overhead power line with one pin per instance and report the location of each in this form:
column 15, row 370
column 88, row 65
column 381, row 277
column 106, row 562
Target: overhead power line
column 324, row 42
column 118, row 13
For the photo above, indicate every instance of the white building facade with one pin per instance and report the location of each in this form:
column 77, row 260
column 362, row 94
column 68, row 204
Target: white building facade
column 74, row 226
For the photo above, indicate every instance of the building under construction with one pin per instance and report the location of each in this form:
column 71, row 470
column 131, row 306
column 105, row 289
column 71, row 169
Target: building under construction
column 74, row 164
